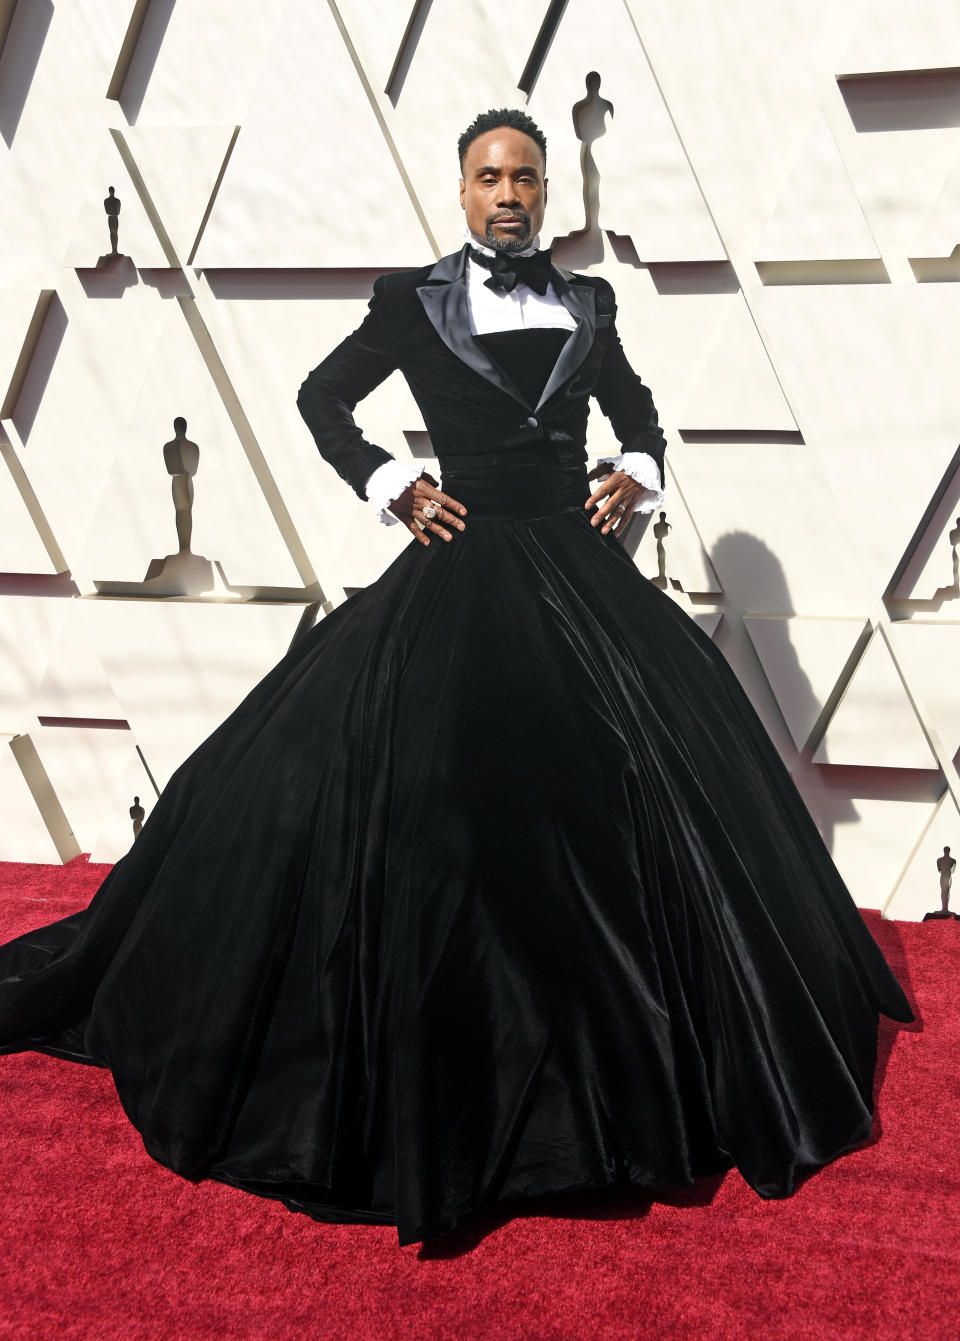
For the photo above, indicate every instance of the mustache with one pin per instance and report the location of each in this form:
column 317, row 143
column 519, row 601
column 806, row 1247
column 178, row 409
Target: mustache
column 509, row 214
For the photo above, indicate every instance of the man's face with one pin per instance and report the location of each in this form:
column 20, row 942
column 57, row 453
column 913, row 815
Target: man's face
column 503, row 189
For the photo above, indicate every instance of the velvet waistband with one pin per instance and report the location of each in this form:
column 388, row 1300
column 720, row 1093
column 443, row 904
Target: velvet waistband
column 517, row 486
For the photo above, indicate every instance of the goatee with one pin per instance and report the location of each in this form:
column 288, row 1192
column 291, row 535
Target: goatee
column 511, row 244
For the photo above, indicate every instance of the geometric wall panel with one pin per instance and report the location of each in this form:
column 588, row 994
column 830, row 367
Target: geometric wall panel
column 90, row 238
column 283, row 200
column 115, row 834
column 738, row 388
column 744, row 87
column 818, row 217
column 671, row 553
column 772, row 526
column 29, row 627
column 803, row 660
column 875, row 376
column 134, row 522
column 708, row 620
column 84, row 403
column 874, row 725
column 52, row 140
column 74, row 684
column 929, row 572
column 939, row 233
column 205, row 69
column 87, row 769
column 670, row 338
column 23, row 834
column 918, row 889
column 378, row 32
column 179, row 668
column 930, row 657
column 914, row 220
column 21, row 548
column 434, row 95
column 658, row 202
column 180, row 166
column 883, row 41
column 22, row 312
column 872, row 842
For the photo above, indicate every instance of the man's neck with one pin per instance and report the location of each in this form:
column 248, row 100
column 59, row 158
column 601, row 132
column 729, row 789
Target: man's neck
column 483, row 245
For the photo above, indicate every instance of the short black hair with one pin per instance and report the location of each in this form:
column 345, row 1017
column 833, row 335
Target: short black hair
column 501, row 116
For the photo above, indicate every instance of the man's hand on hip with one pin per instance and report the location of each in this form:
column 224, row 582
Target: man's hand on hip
column 441, row 512
column 617, row 497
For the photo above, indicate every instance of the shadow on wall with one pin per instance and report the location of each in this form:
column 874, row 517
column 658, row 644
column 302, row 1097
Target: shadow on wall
column 754, row 582
column 584, row 246
column 902, row 99
column 38, row 359
column 23, row 31
column 138, row 56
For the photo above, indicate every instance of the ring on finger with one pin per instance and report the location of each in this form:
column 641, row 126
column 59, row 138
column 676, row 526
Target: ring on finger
column 430, row 510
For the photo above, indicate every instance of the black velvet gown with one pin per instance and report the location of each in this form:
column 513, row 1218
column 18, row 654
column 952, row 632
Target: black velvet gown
column 493, row 886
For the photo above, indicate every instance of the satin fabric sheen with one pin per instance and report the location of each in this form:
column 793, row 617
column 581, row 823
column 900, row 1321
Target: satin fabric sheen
column 495, row 885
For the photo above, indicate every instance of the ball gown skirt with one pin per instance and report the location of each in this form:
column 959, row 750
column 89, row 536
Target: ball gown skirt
column 493, row 886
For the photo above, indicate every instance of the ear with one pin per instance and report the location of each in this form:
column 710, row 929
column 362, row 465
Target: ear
column 463, row 192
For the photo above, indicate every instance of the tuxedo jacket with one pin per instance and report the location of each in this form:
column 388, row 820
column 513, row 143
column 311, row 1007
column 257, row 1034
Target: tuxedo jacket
column 418, row 322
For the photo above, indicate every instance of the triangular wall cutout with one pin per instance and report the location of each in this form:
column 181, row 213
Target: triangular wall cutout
column 930, row 656
column 918, row 889
column 180, row 167
column 874, row 725
column 136, row 236
column 939, row 233
column 738, row 388
column 280, row 203
column 647, row 189
column 803, row 659
column 135, row 521
column 818, row 216
column 21, row 548
column 930, row 570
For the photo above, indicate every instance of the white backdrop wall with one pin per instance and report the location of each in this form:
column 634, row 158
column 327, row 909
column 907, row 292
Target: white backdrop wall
column 776, row 200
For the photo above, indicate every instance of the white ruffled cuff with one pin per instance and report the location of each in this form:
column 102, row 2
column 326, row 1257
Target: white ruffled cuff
column 387, row 483
column 640, row 466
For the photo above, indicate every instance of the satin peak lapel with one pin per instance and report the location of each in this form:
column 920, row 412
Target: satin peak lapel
column 445, row 303
column 580, row 300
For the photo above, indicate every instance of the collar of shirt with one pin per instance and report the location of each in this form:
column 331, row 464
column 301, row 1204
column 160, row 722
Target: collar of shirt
column 494, row 310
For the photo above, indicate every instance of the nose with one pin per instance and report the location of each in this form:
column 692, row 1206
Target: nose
column 507, row 197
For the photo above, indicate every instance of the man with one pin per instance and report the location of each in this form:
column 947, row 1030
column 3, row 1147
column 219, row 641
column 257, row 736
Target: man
column 424, row 322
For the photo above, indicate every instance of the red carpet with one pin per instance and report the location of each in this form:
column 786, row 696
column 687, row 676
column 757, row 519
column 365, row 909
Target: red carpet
column 98, row 1241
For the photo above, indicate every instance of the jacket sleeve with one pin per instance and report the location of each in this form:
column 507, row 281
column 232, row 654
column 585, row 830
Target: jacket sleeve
column 622, row 396
column 330, row 392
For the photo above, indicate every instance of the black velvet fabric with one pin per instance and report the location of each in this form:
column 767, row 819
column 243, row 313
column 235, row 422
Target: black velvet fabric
column 528, row 356
column 418, row 324
column 493, row 886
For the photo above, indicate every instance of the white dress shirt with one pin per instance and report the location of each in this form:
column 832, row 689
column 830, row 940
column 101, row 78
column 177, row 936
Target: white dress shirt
column 496, row 310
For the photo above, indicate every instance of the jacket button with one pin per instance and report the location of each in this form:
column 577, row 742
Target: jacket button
column 532, row 422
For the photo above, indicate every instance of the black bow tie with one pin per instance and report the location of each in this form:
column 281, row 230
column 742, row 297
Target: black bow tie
column 508, row 271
